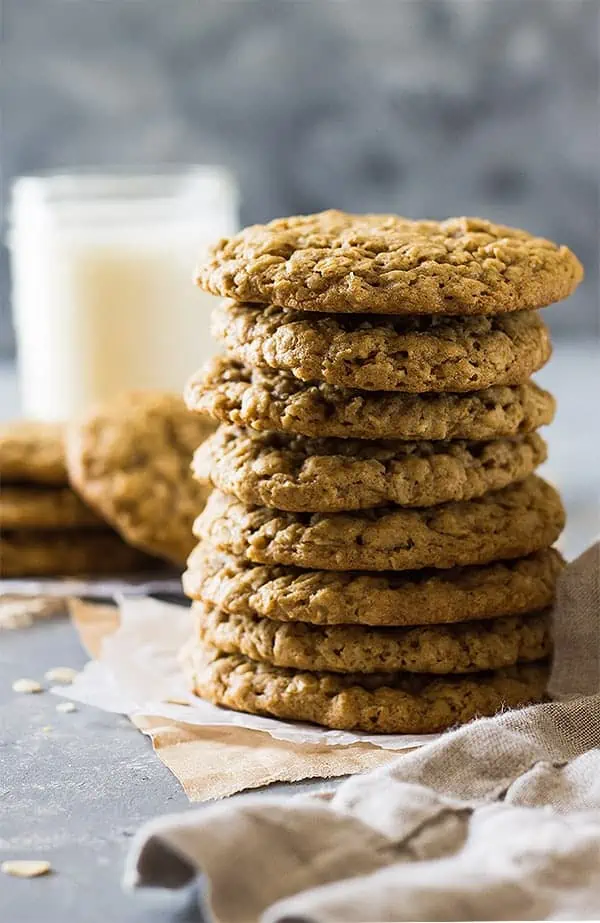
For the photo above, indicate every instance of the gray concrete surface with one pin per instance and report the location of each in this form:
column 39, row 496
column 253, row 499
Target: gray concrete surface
column 74, row 788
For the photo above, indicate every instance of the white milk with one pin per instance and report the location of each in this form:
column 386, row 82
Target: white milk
column 103, row 292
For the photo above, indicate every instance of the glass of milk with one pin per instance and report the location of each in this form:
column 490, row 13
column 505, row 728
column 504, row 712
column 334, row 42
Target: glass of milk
column 103, row 292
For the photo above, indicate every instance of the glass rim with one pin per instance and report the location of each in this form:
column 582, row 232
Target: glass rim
column 71, row 193
column 125, row 171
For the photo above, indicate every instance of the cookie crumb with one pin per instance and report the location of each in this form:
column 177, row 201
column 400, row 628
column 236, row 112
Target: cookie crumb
column 25, row 868
column 64, row 675
column 22, row 612
column 26, row 686
column 66, row 707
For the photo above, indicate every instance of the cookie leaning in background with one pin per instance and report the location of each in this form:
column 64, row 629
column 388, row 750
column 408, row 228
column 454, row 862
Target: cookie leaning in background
column 130, row 459
column 47, row 530
column 386, row 264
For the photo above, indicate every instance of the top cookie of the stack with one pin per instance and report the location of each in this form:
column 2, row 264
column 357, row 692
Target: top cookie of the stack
column 385, row 264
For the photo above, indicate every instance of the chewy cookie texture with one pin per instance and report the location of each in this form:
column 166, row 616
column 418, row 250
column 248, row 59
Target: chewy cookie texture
column 377, row 555
column 513, row 522
column 441, row 649
column 329, row 475
column 32, row 453
column 268, row 400
column 390, row 598
column 47, row 530
column 385, row 264
column 417, row 354
column 384, row 703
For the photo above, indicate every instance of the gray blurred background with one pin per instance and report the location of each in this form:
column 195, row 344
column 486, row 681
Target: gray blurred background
column 424, row 107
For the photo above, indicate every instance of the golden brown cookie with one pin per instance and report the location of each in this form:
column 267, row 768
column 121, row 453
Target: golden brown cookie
column 35, row 507
column 376, row 353
column 385, row 264
column 130, row 460
column 33, row 553
column 386, row 703
column 263, row 399
column 466, row 648
column 299, row 474
column 32, row 453
column 425, row 597
column 508, row 523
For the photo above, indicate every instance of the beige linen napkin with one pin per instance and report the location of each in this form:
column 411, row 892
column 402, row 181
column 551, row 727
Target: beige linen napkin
column 498, row 820
column 212, row 762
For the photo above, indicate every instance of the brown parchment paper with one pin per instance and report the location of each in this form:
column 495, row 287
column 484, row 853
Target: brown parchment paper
column 212, row 762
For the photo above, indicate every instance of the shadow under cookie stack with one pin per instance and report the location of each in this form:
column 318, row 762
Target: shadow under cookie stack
column 377, row 553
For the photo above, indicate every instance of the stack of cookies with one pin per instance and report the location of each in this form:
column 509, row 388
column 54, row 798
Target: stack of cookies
column 47, row 529
column 111, row 493
column 377, row 554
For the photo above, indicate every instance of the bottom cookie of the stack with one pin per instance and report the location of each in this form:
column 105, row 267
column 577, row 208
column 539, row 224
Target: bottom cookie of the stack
column 47, row 553
column 387, row 703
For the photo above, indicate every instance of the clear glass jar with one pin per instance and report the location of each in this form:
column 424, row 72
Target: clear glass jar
column 103, row 291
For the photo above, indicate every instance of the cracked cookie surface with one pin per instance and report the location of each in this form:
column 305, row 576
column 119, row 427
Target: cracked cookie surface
column 466, row 648
column 130, row 460
column 387, row 703
column 508, row 523
column 386, row 264
column 321, row 597
column 264, row 399
column 415, row 354
column 299, row 474
column 45, row 553
column 32, row 453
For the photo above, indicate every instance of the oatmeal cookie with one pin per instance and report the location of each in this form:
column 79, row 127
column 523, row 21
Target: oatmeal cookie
column 441, row 649
column 72, row 552
column 385, row 264
column 378, row 353
column 34, row 507
column 386, row 703
column 130, row 460
column 324, row 597
column 264, row 399
column 299, row 474
column 508, row 523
